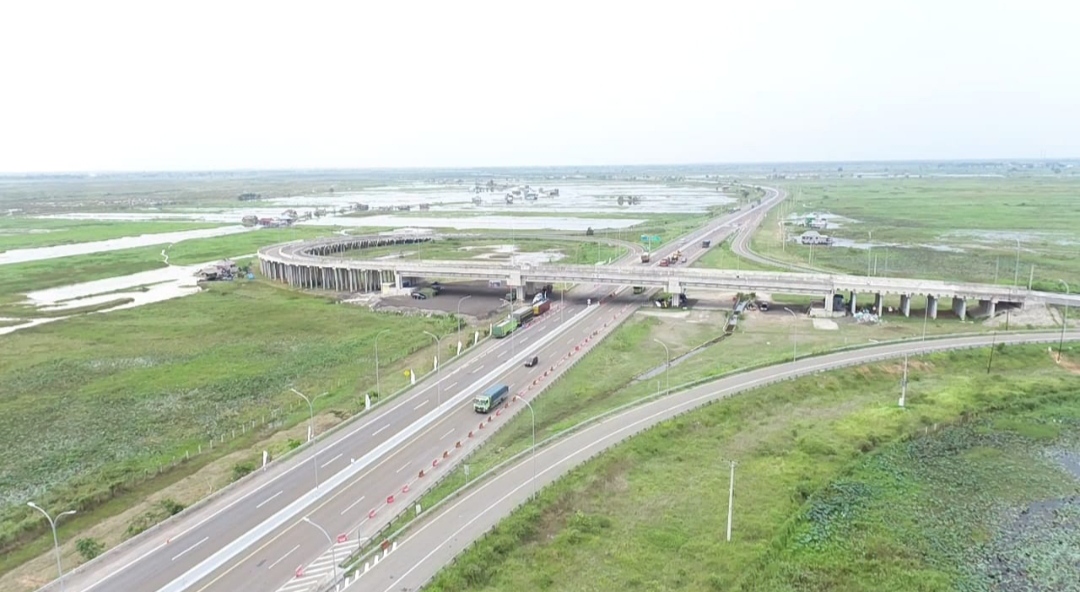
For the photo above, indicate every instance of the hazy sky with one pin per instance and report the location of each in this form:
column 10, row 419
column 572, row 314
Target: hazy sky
column 105, row 85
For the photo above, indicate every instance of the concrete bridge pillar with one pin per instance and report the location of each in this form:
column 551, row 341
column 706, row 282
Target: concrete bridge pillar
column 852, row 304
column 674, row 286
column 878, row 304
column 520, row 292
column 829, row 298
column 931, row 306
column 989, row 307
column 959, row 306
column 398, row 283
column 905, row 305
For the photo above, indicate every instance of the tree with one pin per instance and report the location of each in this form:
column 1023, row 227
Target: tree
column 89, row 548
column 589, row 231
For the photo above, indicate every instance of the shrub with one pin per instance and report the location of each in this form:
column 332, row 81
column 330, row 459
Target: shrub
column 89, row 548
column 239, row 470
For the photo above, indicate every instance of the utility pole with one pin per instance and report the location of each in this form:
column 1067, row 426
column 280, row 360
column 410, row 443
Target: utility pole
column 990, row 361
column 730, row 500
column 903, row 384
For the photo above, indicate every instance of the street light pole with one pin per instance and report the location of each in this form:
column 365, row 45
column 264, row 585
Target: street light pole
column 311, row 430
column 1016, row 270
column 438, row 364
column 460, row 300
column 56, row 541
column 333, row 551
column 795, row 335
column 730, row 499
column 533, row 412
column 1064, row 321
column 869, row 249
column 378, row 386
column 667, row 368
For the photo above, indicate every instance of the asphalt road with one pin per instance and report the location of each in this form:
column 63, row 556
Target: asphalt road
column 452, row 528
column 238, row 525
column 740, row 244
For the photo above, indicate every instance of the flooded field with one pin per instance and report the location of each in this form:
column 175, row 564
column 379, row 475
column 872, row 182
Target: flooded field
column 116, row 244
column 505, row 222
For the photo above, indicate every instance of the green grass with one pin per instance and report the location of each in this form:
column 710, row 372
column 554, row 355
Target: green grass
column 607, row 377
column 836, row 488
column 983, row 217
column 720, row 256
column 94, row 402
column 24, row 233
column 20, row 278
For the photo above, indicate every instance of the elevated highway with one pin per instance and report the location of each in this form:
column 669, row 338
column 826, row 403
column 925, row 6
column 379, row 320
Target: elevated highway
column 318, row 264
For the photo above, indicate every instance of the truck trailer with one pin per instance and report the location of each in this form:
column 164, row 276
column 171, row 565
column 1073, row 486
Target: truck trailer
column 504, row 328
column 541, row 307
column 523, row 314
column 491, row 398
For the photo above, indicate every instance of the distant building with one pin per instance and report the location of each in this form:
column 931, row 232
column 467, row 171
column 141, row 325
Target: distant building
column 812, row 237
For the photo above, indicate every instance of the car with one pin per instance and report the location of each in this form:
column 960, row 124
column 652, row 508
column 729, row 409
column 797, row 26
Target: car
column 532, row 362
column 418, row 296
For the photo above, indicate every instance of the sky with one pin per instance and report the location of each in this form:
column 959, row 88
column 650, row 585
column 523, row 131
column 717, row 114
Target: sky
column 109, row 85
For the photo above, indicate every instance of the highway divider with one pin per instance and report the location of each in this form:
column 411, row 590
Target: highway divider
column 235, row 547
column 1015, row 337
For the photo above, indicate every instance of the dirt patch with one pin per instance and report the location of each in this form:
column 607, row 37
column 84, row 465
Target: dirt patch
column 1068, row 365
column 1032, row 315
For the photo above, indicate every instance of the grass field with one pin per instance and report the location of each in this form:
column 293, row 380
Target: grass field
column 609, row 376
column 836, row 489
column 455, row 249
column 91, row 403
column 24, row 233
column 20, row 278
column 939, row 228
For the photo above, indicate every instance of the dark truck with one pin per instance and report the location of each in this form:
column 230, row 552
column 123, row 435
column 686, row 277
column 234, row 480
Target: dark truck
column 705, row 244
column 490, row 398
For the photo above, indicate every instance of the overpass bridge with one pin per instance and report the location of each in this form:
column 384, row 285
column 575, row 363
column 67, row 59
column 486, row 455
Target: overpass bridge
column 319, row 265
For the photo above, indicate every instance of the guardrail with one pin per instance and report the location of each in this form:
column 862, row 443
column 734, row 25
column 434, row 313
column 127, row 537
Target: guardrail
column 355, row 564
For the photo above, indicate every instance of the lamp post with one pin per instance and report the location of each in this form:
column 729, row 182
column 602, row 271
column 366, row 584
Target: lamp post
column 533, row 412
column 667, row 367
column 869, row 249
column 795, row 335
column 1016, row 270
column 1064, row 321
column 56, row 541
column 438, row 365
column 378, row 386
column 333, row 552
column 460, row 300
column 311, row 430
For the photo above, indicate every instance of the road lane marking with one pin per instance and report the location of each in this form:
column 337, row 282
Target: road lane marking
column 323, row 466
column 357, row 478
column 182, row 553
column 452, row 385
column 267, row 500
column 352, row 505
column 447, row 434
column 405, row 466
column 283, row 557
column 421, row 405
column 376, row 432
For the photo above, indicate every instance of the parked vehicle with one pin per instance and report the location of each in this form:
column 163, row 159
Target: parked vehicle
column 419, row 296
column 491, row 398
column 532, row 362
column 705, row 244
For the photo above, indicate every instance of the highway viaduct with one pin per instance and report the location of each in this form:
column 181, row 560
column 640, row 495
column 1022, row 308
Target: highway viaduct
column 319, row 265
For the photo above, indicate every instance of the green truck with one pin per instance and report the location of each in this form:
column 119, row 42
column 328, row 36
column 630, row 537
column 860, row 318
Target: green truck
column 491, row 398
column 504, row 328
